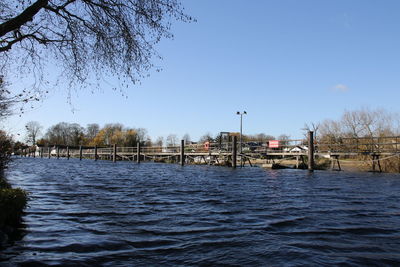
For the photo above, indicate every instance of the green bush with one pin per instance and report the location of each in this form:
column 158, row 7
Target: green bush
column 12, row 204
column 5, row 149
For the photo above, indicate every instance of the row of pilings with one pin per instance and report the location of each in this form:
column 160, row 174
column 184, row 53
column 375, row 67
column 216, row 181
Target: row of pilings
column 234, row 152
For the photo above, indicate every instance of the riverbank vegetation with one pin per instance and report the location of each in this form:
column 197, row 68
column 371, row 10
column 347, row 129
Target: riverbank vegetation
column 12, row 200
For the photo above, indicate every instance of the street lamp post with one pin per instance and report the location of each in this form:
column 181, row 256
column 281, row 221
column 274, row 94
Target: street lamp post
column 241, row 124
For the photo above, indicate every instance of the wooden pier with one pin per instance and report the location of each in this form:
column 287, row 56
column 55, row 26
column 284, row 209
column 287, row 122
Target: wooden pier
column 227, row 154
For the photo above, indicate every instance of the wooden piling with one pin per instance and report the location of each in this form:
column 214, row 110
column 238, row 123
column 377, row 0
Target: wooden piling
column 376, row 161
column 138, row 152
column 41, row 152
column 182, row 158
column 95, row 153
column 311, row 151
column 80, row 152
column 67, row 152
column 234, row 152
column 58, row 152
column 335, row 161
column 114, row 153
column 49, row 152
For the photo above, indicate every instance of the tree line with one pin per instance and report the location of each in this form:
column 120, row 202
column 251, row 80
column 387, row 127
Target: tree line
column 361, row 123
column 73, row 134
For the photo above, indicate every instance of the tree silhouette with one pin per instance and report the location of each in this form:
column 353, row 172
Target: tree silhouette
column 87, row 39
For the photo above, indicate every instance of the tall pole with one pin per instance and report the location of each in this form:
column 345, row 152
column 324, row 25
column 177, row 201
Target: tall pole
column 182, row 158
column 241, row 132
column 114, row 153
column 241, row 124
column 311, row 151
column 234, row 154
column 138, row 152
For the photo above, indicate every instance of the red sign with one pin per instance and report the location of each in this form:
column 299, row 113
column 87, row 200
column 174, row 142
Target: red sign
column 273, row 144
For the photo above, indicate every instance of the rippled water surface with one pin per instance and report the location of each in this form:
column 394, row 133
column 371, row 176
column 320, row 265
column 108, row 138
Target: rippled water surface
column 124, row 214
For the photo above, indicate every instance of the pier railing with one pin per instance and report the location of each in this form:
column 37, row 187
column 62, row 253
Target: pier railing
column 230, row 151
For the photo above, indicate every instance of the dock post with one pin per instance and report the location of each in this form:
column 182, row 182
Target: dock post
column 58, row 152
column 138, row 152
column 95, row 153
column 114, row 153
column 41, row 152
column 182, row 152
column 373, row 162
column 34, row 152
column 49, row 152
column 67, row 152
column 311, row 151
column 234, row 152
column 80, row 152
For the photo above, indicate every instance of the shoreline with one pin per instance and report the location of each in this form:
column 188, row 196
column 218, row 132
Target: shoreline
column 12, row 205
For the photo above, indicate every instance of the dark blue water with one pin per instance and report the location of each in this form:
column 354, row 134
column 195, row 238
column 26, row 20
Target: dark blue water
column 86, row 213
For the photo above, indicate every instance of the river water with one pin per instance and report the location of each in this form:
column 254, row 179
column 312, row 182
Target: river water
column 86, row 213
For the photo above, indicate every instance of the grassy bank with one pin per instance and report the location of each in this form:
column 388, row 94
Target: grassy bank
column 12, row 204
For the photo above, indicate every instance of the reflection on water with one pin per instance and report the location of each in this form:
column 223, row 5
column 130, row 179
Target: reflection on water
column 124, row 214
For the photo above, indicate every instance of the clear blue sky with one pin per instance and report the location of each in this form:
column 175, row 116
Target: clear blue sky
column 285, row 62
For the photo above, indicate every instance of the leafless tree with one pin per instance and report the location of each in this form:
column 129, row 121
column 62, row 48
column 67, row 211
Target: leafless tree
column 284, row 139
column 186, row 138
column 206, row 137
column 92, row 130
column 11, row 102
column 311, row 127
column 142, row 134
column 172, row 140
column 88, row 39
column 33, row 129
column 159, row 141
column 330, row 131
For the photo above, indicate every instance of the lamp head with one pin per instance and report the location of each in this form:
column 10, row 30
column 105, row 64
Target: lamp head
column 237, row 113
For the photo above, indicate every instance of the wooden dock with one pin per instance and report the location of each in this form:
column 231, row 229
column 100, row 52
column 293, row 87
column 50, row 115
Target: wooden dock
column 227, row 154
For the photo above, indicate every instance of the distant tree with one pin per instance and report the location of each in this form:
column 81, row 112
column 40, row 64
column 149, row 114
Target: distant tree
column 368, row 123
column 142, row 135
column 109, row 130
column 159, row 141
column 314, row 127
column 65, row 133
column 148, row 142
column 85, row 37
column 330, row 130
column 186, row 138
column 359, row 123
column 76, row 134
column 172, row 140
column 58, row 134
column 258, row 137
column 206, row 137
column 33, row 129
column 92, row 130
column 131, row 138
column 284, row 139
